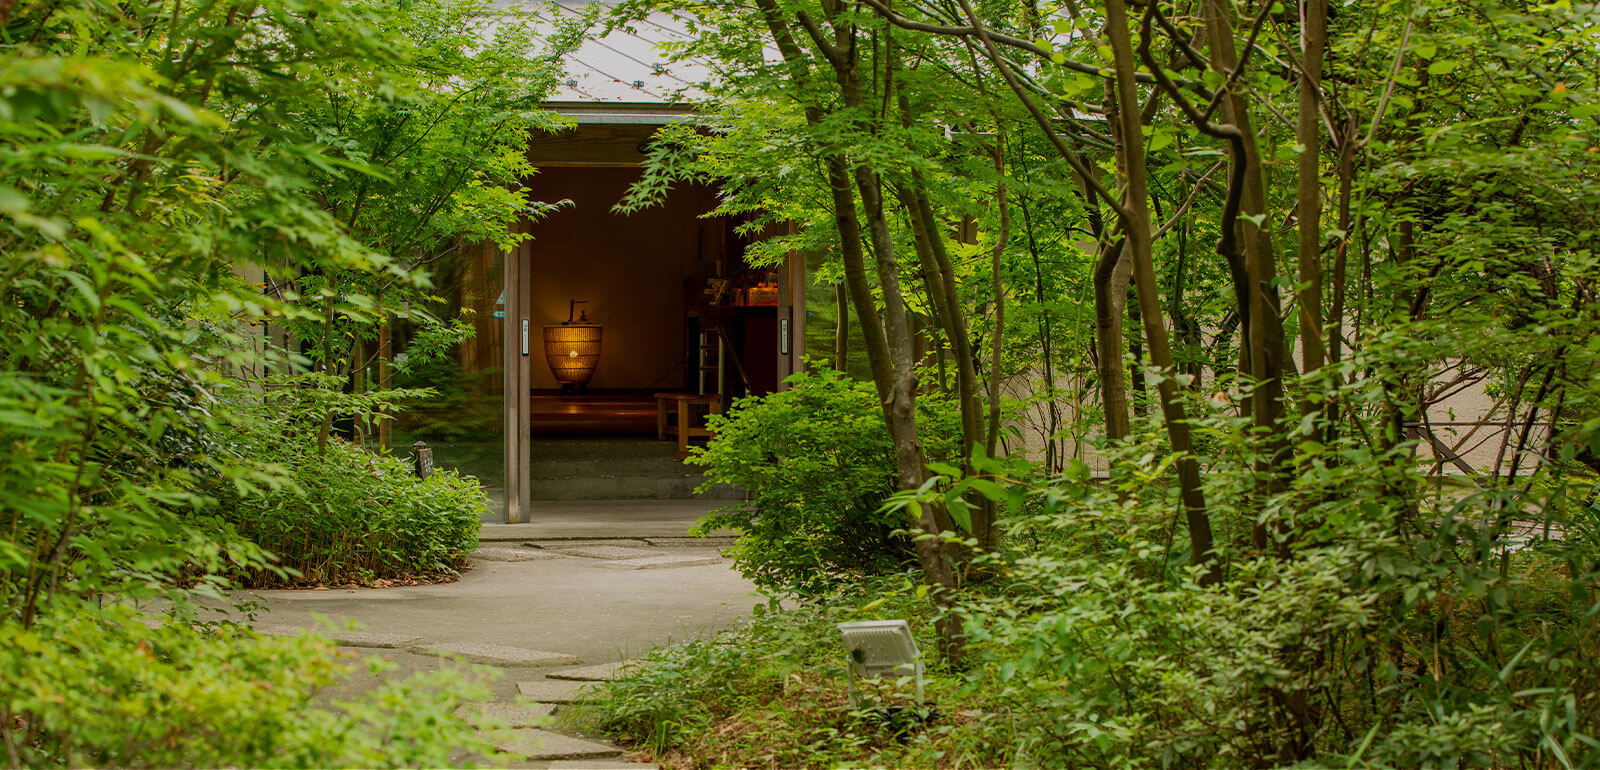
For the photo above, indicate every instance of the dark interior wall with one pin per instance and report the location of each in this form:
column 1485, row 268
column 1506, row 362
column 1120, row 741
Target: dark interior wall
column 630, row 268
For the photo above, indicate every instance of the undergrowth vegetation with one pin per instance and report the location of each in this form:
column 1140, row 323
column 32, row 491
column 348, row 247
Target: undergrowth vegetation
column 353, row 516
column 817, row 461
column 772, row 693
column 1404, row 632
column 341, row 513
column 108, row 690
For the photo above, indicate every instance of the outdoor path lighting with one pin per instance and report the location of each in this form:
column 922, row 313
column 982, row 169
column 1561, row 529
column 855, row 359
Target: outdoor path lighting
column 874, row 648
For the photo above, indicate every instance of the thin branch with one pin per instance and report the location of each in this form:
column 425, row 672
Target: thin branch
column 977, row 30
column 1188, row 202
column 1394, row 74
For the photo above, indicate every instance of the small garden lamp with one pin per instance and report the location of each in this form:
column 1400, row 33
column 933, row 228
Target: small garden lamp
column 874, row 648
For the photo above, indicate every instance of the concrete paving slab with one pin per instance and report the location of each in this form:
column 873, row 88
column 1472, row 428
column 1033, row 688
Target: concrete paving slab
column 499, row 654
column 604, row 672
column 564, row 545
column 507, row 714
column 500, row 553
column 692, row 542
column 272, row 630
column 567, row 605
column 599, row 764
column 552, row 691
column 545, row 745
column 374, row 639
column 609, row 552
column 662, row 562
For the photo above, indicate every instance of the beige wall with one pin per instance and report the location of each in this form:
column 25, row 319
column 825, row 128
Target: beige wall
column 630, row 268
column 1459, row 395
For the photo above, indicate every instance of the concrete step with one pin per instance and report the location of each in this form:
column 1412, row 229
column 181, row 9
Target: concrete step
column 611, row 466
column 614, row 469
column 632, row 487
column 580, row 448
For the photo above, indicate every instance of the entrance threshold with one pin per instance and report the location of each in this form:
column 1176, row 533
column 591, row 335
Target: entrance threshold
column 605, row 520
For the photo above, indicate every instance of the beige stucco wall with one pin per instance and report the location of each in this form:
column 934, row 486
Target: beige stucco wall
column 1460, row 399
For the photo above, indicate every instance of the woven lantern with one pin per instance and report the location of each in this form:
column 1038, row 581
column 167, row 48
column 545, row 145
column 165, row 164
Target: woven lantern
column 573, row 351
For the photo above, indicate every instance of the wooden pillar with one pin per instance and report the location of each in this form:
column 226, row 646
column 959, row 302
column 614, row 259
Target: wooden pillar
column 517, row 345
column 791, row 315
column 385, row 351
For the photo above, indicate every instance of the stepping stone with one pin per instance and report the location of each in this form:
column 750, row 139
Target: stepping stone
column 560, row 545
column 610, row 552
column 495, row 553
column 552, row 691
column 604, row 672
column 371, row 639
column 278, row 630
column 691, row 542
column 507, row 714
column 499, row 655
column 600, row 764
column 534, row 744
column 663, row 562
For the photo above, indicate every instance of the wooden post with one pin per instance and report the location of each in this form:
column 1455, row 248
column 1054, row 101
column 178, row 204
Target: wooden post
column 516, row 347
column 385, row 351
column 791, row 315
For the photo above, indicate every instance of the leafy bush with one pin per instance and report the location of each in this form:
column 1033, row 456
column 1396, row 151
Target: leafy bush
column 818, row 463
column 1404, row 632
column 773, row 692
column 344, row 513
column 352, row 515
column 100, row 688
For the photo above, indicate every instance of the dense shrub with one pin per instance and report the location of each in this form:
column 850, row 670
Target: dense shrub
column 337, row 513
column 353, row 515
column 772, row 692
column 817, row 461
column 1406, row 631
column 102, row 689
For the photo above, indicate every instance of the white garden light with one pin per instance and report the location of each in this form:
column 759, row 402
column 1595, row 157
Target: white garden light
column 875, row 648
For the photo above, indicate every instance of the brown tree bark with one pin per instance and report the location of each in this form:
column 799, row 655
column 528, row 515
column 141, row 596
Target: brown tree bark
column 887, row 335
column 841, row 330
column 1313, row 40
column 1136, row 224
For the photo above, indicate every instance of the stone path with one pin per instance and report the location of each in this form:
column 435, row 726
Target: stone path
column 535, row 684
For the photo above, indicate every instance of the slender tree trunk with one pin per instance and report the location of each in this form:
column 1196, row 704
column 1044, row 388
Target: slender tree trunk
column 385, row 353
column 1136, row 224
column 1262, row 354
column 1313, row 34
column 1112, row 273
column 841, row 330
column 938, row 275
column 887, row 336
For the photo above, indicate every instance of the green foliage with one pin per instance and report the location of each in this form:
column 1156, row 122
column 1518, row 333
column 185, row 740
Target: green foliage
column 149, row 155
column 340, row 514
column 773, row 692
column 355, row 516
column 100, row 688
column 818, row 464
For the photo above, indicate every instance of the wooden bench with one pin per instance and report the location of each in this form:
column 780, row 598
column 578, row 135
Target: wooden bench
column 685, row 427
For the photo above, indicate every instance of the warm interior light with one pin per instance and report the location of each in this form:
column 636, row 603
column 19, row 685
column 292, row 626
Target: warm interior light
column 573, row 351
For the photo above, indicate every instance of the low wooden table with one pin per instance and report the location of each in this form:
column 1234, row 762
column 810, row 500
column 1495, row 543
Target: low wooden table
column 684, row 427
